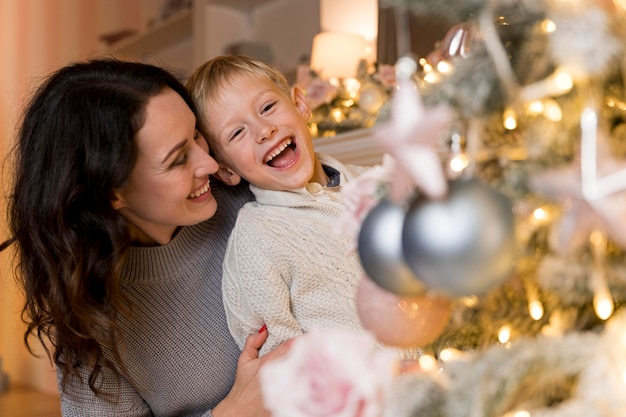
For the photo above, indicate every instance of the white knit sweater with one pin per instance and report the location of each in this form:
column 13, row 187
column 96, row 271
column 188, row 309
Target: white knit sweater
column 286, row 267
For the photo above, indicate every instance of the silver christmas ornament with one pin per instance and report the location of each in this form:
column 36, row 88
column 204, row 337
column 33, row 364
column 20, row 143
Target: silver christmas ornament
column 380, row 249
column 463, row 244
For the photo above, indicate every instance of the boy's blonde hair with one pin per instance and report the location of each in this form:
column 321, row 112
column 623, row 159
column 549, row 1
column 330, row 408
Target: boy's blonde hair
column 208, row 81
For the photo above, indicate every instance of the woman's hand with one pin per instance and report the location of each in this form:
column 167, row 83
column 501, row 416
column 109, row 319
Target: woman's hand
column 245, row 398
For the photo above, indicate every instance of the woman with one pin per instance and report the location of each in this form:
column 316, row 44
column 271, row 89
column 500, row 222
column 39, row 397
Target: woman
column 118, row 259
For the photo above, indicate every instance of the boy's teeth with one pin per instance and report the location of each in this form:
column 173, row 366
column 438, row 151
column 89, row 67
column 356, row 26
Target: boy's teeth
column 201, row 191
column 278, row 150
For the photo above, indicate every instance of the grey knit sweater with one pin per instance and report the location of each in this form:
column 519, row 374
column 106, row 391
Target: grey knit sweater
column 285, row 265
column 177, row 347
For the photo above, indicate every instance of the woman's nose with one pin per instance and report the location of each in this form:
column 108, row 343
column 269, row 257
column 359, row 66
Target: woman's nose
column 205, row 164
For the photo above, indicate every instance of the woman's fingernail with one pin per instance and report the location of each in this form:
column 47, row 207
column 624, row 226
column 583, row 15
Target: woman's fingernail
column 262, row 329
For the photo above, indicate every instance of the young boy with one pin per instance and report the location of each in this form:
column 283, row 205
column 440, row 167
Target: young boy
column 284, row 267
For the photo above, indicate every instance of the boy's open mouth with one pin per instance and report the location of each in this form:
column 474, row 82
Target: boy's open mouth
column 282, row 155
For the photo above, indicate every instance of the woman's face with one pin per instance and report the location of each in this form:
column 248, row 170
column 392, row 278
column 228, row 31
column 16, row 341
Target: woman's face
column 169, row 184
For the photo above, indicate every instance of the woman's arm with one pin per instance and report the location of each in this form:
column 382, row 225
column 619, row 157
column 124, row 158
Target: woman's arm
column 77, row 400
column 245, row 398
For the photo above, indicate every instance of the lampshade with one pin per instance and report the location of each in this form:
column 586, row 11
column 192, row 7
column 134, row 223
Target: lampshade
column 337, row 54
column 353, row 16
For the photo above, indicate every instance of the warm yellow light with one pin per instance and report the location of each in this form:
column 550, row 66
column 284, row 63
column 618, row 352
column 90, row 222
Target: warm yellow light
column 450, row 354
column 469, row 301
column 535, row 107
column 597, row 238
column 509, row 119
column 535, row 309
column 336, row 115
column 548, row 26
column 428, row 363
column 352, row 85
column 553, row 111
column 504, row 334
column 444, row 67
column 540, row 215
column 459, row 162
column 431, row 78
column 563, row 80
column 519, row 413
column 603, row 306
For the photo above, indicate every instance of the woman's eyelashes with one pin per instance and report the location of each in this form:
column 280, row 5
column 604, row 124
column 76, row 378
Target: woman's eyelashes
column 181, row 158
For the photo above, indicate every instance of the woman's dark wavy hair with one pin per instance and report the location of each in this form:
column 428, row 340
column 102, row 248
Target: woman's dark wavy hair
column 75, row 145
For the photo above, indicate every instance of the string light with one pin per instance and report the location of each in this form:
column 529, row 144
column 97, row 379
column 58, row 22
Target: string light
column 548, row 26
column 602, row 300
column 509, row 119
column 552, row 111
column 459, row 162
column 519, row 413
column 428, row 363
column 504, row 334
column 444, row 67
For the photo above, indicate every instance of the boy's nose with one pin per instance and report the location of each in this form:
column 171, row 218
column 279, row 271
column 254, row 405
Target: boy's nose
column 267, row 132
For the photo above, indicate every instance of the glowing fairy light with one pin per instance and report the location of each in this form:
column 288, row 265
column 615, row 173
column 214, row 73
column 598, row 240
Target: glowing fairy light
column 518, row 413
column 552, row 111
column 459, row 162
column 602, row 300
column 603, row 306
column 540, row 215
column 548, row 26
column 535, row 309
column 444, row 67
column 336, row 115
column 352, row 86
column 563, row 80
column 432, row 77
column 535, row 306
column 509, row 119
column 450, row 354
column 428, row 363
column 504, row 334
column 535, row 107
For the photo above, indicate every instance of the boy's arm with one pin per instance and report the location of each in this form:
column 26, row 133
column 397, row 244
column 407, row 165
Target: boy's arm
column 255, row 293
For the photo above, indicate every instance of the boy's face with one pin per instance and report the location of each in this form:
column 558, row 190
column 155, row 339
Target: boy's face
column 262, row 135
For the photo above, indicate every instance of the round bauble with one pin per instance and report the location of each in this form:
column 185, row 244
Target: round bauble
column 380, row 250
column 464, row 243
column 406, row 322
column 372, row 97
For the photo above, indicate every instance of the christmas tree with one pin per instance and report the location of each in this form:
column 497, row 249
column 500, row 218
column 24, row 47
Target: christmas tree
column 537, row 91
column 505, row 195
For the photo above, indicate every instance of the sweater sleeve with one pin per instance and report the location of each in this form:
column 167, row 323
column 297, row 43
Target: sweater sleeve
column 255, row 288
column 77, row 400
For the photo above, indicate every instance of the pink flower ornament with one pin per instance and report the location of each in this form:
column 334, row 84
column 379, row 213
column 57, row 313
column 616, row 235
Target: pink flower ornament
column 411, row 136
column 319, row 92
column 329, row 373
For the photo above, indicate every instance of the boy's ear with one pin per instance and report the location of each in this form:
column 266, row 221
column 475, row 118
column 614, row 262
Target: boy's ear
column 299, row 99
column 227, row 175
